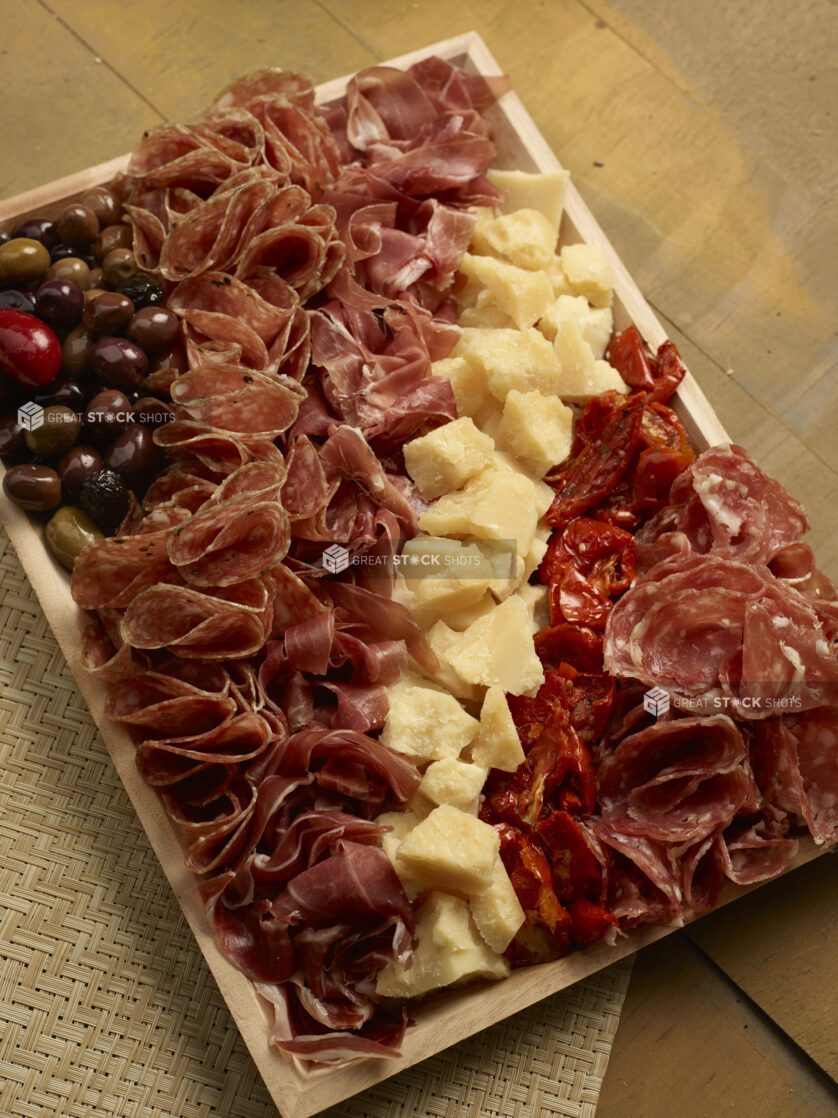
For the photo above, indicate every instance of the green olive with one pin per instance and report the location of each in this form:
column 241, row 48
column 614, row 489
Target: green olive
column 58, row 431
column 68, row 532
column 23, row 258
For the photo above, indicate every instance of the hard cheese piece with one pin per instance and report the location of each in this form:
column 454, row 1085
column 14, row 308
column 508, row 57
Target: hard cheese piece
column 484, row 312
column 582, row 375
column 497, row 912
column 468, row 382
column 445, row 458
column 498, row 651
column 451, row 850
column 596, row 324
column 497, row 745
column 437, row 597
column 544, row 192
column 499, row 503
column 401, row 823
column 521, row 359
column 448, row 950
column 589, row 272
column 525, row 238
column 536, row 429
column 426, row 723
column 457, row 783
column 519, row 293
column 441, row 638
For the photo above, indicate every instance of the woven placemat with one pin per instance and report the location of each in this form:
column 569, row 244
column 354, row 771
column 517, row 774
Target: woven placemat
column 107, row 1009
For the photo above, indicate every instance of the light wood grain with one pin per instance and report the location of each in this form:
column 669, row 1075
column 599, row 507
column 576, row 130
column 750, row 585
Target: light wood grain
column 691, row 1045
column 779, row 945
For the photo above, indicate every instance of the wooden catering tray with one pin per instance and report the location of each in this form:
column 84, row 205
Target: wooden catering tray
column 442, row 1020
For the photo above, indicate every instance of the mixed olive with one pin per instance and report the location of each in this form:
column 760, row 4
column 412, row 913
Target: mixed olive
column 87, row 352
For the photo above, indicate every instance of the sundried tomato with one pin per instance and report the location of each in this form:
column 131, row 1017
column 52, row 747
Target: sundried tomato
column 589, row 699
column 573, row 599
column 576, row 871
column 602, row 553
column 569, row 644
column 589, row 921
column 604, row 451
column 627, row 353
column 669, row 371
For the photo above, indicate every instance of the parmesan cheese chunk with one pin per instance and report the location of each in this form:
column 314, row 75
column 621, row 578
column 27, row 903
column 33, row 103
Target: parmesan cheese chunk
column 596, row 324
column 536, row 429
column 400, row 824
column 447, row 457
column 441, row 639
column 506, row 359
column 497, row 745
column 543, row 191
column 498, row 650
column 498, row 504
column 453, row 782
column 589, row 272
column 519, row 293
column 583, row 376
column 497, row 912
column 449, row 949
column 451, row 850
column 525, row 237
column 468, row 382
column 425, row 722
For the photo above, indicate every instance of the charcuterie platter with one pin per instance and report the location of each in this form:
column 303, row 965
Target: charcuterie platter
column 301, row 1089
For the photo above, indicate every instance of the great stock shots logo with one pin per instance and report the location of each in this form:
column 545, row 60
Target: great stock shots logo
column 656, row 701
column 30, row 416
column 335, row 559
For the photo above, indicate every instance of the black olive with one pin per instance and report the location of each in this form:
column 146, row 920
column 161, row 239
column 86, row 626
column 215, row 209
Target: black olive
column 142, row 290
column 106, row 499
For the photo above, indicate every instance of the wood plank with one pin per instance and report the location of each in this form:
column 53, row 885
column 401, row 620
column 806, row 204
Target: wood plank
column 780, row 946
column 690, row 1045
column 64, row 108
column 179, row 56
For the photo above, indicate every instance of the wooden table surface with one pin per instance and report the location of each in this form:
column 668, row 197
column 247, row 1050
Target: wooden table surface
column 704, row 138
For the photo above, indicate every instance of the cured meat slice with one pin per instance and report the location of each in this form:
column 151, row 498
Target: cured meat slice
column 231, row 742
column 229, row 398
column 112, row 572
column 753, row 852
column 349, row 454
column 723, row 502
column 219, row 451
column 643, row 888
column 677, row 781
column 162, row 704
column 200, row 626
column 723, row 632
column 816, row 734
column 264, row 83
column 209, row 236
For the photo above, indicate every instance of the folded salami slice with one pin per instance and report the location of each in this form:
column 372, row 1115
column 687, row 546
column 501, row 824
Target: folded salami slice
column 197, row 625
column 230, row 398
column 677, row 781
column 112, row 572
column 209, row 236
column 724, row 503
column 725, row 634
